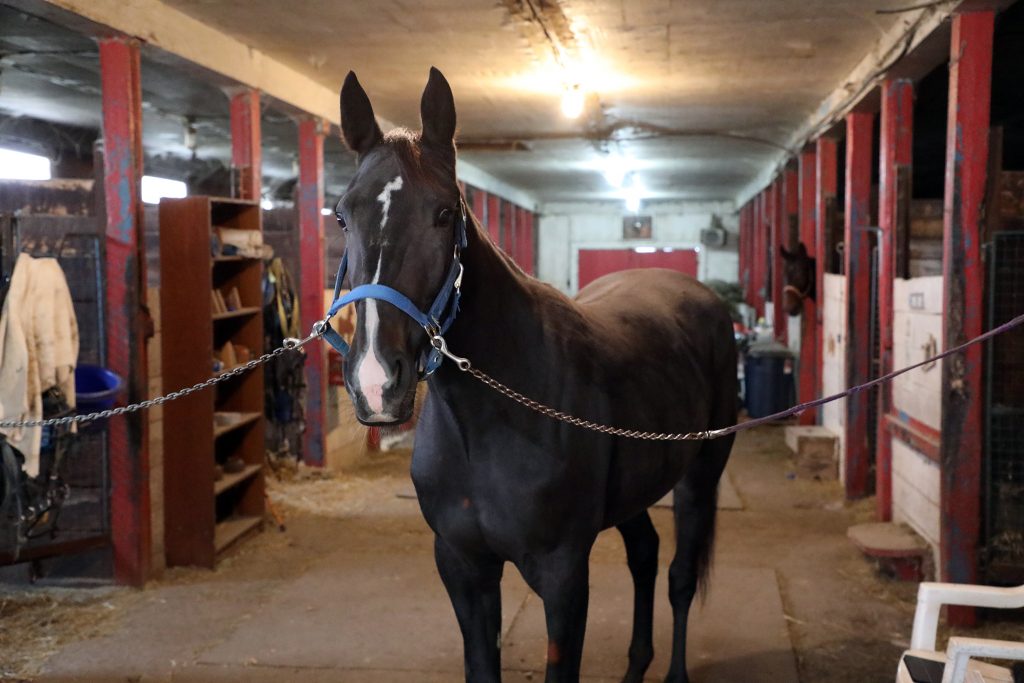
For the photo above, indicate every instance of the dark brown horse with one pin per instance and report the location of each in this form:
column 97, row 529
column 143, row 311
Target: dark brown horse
column 800, row 278
column 651, row 350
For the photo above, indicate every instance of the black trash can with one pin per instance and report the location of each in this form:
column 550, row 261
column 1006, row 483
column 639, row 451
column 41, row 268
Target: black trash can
column 768, row 375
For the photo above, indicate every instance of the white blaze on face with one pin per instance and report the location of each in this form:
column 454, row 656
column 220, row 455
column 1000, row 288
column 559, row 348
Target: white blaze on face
column 370, row 372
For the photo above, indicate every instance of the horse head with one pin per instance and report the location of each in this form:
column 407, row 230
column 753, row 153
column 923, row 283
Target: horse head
column 399, row 216
column 800, row 278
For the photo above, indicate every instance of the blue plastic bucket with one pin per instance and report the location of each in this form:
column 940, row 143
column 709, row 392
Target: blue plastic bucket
column 96, row 388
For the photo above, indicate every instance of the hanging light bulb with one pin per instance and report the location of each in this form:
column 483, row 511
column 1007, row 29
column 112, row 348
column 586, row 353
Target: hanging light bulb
column 572, row 102
column 634, row 194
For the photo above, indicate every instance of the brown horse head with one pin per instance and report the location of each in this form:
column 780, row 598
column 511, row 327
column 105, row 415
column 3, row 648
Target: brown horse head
column 800, row 278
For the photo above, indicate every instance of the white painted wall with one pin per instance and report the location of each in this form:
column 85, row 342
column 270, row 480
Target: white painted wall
column 917, row 327
column 566, row 227
column 917, row 334
column 833, row 363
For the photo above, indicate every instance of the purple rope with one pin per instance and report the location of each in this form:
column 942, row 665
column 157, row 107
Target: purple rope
column 797, row 409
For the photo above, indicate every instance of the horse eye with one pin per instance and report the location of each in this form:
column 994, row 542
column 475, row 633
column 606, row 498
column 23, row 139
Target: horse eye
column 443, row 217
column 341, row 221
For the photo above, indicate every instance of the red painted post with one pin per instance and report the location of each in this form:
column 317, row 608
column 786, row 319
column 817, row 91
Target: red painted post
column 246, row 159
column 494, row 218
column 896, row 151
column 480, row 205
column 970, row 80
column 826, row 192
column 508, row 228
column 744, row 243
column 858, row 294
column 788, row 207
column 757, row 256
column 809, row 359
column 126, row 333
column 311, row 288
column 527, row 239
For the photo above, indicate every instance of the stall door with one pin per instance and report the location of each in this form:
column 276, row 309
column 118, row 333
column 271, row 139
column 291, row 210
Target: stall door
column 593, row 263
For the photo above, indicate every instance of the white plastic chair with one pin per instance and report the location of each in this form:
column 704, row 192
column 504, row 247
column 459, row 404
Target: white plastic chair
column 960, row 652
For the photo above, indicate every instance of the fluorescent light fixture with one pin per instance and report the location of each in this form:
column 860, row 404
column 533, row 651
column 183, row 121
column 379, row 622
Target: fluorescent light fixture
column 645, row 250
column 668, row 250
column 22, row 166
column 572, row 102
column 633, row 195
column 266, row 205
column 616, row 168
column 326, row 212
column 154, row 189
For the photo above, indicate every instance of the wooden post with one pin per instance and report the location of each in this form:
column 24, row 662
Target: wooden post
column 246, row 159
column 970, row 78
column 311, row 295
column 809, row 359
column 858, row 294
column 744, row 248
column 896, row 152
column 760, row 223
column 494, row 219
column 780, row 236
column 126, row 324
column 825, row 195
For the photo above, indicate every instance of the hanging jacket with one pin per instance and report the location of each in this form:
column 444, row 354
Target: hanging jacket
column 38, row 348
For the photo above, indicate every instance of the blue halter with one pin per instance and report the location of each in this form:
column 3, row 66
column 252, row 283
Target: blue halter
column 435, row 322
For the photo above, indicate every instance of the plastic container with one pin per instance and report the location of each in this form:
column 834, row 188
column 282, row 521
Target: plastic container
column 768, row 378
column 96, row 388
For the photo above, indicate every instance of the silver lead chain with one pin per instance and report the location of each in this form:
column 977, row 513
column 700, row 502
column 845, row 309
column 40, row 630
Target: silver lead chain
column 438, row 342
column 290, row 344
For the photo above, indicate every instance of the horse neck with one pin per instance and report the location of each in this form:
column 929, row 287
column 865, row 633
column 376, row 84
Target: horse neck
column 497, row 310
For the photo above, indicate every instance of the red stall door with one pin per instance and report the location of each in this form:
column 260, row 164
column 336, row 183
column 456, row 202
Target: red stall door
column 593, row 263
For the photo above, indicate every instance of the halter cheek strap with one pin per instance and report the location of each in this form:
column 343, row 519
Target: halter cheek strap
column 435, row 321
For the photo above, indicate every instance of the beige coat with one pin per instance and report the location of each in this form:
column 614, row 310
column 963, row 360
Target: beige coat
column 38, row 348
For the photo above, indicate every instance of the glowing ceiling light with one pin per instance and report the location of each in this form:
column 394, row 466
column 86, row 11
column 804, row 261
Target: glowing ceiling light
column 326, row 212
column 645, row 250
column 634, row 194
column 266, row 205
column 154, row 189
column 616, row 169
column 22, row 166
column 572, row 102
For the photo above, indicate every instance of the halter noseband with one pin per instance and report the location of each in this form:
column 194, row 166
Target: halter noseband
column 800, row 295
column 435, row 322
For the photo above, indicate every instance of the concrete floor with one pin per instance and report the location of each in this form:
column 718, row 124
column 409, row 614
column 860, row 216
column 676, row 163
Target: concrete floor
column 351, row 594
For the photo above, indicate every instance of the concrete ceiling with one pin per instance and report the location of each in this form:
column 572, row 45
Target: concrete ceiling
column 700, row 95
column 715, row 85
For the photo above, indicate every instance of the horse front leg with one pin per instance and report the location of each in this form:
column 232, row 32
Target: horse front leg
column 561, row 579
column 474, row 587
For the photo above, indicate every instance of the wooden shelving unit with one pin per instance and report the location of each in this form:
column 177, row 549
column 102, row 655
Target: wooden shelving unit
column 205, row 515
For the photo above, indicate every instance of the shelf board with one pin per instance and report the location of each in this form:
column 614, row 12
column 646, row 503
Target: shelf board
column 235, row 259
column 232, row 529
column 230, row 480
column 245, row 310
column 247, row 419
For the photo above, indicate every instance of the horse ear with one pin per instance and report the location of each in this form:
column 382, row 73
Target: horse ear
column 437, row 111
column 801, row 249
column 358, row 125
column 786, row 254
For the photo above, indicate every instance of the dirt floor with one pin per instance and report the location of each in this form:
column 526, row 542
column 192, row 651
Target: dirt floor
column 841, row 621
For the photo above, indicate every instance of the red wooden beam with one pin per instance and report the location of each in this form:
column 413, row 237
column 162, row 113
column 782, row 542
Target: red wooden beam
column 246, row 159
column 809, row 359
column 508, row 228
column 744, row 243
column 494, row 218
column 970, row 80
column 780, row 237
column 826, row 192
column 311, row 288
column 479, row 207
column 757, row 255
column 126, row 324
column 857, row 254
column 527, row 237
column 896, row 150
